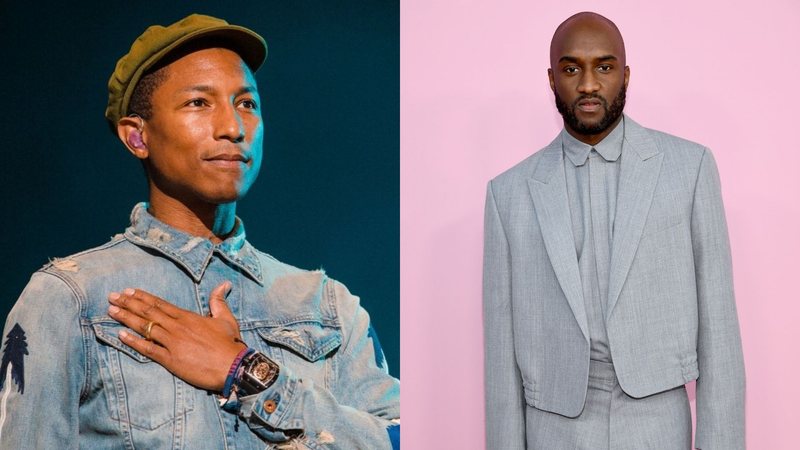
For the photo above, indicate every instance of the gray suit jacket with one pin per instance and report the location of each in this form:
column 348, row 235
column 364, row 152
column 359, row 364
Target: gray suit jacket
column 671, row 312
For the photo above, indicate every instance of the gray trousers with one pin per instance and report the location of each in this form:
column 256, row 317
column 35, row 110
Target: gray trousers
column 612, row 420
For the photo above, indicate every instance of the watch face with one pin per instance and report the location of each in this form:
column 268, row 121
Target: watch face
column 261, row 371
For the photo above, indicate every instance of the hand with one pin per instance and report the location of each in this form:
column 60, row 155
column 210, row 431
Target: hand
column 196, row 349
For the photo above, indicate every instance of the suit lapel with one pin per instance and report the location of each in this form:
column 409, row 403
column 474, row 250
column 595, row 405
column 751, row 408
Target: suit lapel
column 548, row 189
column 641, row 165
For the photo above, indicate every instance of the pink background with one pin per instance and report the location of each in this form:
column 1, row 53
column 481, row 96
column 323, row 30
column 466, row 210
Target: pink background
column 475, row 100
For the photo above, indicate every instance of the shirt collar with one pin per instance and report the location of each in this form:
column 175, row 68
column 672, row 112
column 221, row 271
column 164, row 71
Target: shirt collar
column 609, row 148
column 192, row 252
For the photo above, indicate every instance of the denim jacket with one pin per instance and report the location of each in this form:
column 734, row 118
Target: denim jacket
column 68, row 381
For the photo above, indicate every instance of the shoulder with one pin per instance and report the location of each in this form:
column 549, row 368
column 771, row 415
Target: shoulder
column 305, row 291
column 512, row 185
column 671, row 143
column 94, row 262
column 58, row 283
column 98, row 265
column 520, row 171
column 290, row 282
column 674, row 147
column 684, row 161
column 274, row 268
column 311, row 289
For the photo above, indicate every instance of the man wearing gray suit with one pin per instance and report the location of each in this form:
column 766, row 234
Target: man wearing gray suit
column 607, row 277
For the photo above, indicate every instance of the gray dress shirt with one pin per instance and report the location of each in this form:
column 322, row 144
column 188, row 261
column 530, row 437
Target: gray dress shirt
column 592, row 175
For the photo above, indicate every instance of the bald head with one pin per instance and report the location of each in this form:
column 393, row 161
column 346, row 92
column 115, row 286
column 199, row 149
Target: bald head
column 583, row 31
column 588, row 75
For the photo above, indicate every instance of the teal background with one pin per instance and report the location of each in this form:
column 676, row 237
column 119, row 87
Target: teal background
column 328, row 193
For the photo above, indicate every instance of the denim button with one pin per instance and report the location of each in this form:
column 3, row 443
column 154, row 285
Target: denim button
column 270, row 405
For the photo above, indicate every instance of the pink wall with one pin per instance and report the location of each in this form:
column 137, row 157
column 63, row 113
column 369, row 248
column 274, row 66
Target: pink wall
column 475, row 100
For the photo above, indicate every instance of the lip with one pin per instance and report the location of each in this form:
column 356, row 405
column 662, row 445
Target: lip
column 590, row 105
column 232, row 160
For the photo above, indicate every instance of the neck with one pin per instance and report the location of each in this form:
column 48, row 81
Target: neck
column 209, row 221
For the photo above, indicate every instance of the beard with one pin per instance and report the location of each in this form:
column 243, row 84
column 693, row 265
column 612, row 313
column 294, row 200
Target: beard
column 610, row 115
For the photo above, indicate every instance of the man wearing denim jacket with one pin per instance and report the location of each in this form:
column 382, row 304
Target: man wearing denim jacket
column 178, row 333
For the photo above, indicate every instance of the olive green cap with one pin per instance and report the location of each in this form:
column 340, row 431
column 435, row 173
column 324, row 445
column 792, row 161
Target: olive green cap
column 158, row 41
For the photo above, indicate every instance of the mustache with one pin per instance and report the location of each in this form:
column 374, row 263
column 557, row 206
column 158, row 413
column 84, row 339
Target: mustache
column 602, row 100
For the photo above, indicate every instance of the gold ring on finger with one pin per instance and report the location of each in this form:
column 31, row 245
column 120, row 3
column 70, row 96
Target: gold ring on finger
column 149, row 329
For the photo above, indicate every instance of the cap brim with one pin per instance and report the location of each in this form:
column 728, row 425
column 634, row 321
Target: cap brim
column 249, row 45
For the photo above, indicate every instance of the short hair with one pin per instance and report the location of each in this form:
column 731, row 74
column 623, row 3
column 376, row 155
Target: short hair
column 141, row 102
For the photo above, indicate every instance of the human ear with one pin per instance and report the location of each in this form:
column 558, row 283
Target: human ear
column 130, row 131
column 627, row 76
column 552, row 80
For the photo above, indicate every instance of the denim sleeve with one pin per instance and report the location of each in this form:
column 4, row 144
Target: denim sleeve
column 43, row 367
column 360, row 410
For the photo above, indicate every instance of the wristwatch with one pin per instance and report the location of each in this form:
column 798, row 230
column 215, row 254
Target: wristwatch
column 256, row 374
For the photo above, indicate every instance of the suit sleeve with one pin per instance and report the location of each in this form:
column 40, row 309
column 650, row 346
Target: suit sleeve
column 505, row 407
column 362, row 410
column 43, row 365
column 721, row 383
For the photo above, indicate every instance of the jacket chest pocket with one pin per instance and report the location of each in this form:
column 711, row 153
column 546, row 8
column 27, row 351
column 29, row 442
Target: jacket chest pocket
column 301, row 346
column 139, row 391
column 667, row 211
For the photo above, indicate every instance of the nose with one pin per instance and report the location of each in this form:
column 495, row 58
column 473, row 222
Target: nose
column 588, row 83
column 230, row 125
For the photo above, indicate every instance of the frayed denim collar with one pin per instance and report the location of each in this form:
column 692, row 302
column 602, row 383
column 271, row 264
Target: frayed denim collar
column 193, row 253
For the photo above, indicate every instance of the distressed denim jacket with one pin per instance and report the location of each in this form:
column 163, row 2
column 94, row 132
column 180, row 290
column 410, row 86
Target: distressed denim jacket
column 69, row 382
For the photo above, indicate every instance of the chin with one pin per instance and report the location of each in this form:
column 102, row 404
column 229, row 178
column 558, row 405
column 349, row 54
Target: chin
column 227, row 192
column 223, row 197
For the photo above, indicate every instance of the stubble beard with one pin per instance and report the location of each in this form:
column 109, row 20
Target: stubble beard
column 611, row 114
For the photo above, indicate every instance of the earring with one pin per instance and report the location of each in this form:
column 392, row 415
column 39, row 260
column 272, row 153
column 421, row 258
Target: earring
column 141, row 122
column 135, row 138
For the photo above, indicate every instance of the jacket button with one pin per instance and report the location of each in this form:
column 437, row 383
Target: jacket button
column 270, row 405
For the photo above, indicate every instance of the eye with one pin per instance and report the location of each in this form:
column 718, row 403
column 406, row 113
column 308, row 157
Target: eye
column 197, row 102
column 570, row 69
column 604, row 68
column 248, row 103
